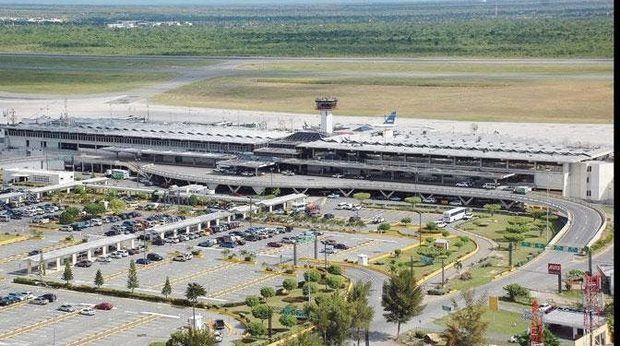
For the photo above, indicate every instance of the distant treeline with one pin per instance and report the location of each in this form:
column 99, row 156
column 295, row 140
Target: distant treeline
column 516, row 37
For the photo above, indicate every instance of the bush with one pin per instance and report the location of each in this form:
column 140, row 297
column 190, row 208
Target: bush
column 312, row 275
column 256, row 328
column 334, row 281
column 405, row 220
column 516, row 291
column 69, row 215
column 431, row 226
column 465, row 276
column 267, row 292
column 288, row 320
column 384, row 226
column 309, row 288
column 398, row 252
column 334, row 269
column 458, row 243
column 437, row 291
column 289, row 284
column 464, row 239
column 445, row 233
column 252, row 301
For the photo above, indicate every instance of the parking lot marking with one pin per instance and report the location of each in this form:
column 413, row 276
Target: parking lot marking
column 43, row 323
column 96, row 336
column 197, row 274
column 139, row 268
column 243, row 285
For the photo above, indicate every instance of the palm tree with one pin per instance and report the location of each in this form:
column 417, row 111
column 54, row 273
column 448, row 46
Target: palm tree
column 193, row 291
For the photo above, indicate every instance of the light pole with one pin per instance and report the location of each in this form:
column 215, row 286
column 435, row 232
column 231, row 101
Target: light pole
column 547, row 221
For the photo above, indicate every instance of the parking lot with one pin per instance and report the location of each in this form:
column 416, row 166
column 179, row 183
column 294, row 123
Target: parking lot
column 129, row 322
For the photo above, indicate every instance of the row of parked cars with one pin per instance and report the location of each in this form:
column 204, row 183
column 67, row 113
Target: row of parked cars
column 40, row 213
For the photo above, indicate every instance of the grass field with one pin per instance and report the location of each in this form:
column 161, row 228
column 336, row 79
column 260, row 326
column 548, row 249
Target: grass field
column 525, row 92
column 73, row 82
column 502, row 324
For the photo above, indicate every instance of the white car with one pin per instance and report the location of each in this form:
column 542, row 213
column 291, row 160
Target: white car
column 333, row 195
column 87, row 312
column 289, row 173
column 468, row 216
column 338, row 176
column 440, row 224
column 104, row 259
column 279, row 211
column 116, row 255
column 429, row 200
column 545, row 308
column 356, row 207
column 39, row 301
column 455, row 203
column 462, row 184
column 489, row 186
column 123, row 253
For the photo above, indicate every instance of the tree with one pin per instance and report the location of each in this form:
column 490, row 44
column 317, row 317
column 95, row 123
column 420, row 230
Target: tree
column 67, row 274
column 550, row 339
column 398, row 252
column 307, row 339
column 98, row 278
column 167, row 289
column 384, row 226
column 288, row 320
column 262, row 312
column 267, row 292
column 192, row 292
column 116, row 205
column 413, row 200
column 431, row 226
column 360, row 309
column 405, row 220
column 516, row 291
column 312, row 275
column 191, row 337
column 132, row 276
column 256, row 328
column 492, row 208
column 94, row 209
column 193, row 200
column 309, row 288
column 289, row 284
column 334, row 269
column 334, row 281
column 402, row 297
column 331, row 316
column 252, row 301
column 467, row 326
column 69, row 215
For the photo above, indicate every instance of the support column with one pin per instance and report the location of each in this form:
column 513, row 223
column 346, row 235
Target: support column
column 132, row 244
column 29, row 268
column 118, row 246
column 174, row 232
column 104, row 250
column 199, row 228
column 74, row 259
column 57, row 264
column 89, row 255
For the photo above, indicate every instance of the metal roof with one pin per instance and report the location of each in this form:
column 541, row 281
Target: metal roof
column 134, row 127
column 282, row 199
column 488, row 146
column 168, row 152
column 70, row 250
column 190, row 222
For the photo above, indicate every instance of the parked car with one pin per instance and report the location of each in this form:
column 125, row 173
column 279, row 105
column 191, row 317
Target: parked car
column 462, row 184
column 208, row 243
column 468, row 216
column 104, row 306
column 84, row 264
column 219, row 325
column 328, row 216
column 154, row 257
column 87, row 312
column 66, row 308
column 274, row 244
column 455, row 202
column 341, row 246
column 51, row 297
column 39, row 301
column 34, row 252
column 183, row 257
column 143, row 261
column 333, row 195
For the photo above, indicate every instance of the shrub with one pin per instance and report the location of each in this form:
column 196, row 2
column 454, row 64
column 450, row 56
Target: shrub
column 288, row 320
column 445, row 233
column 256, row 328
column 458, row 243
column 431, row 226
column 312, row 275
column 384, row 226
column 405, row 220
column 334, row 269
column 252, row 301
column 289, row 284
column 437, row 291
column 515, row 291
column 464, row 239
column 465, row 276
column 398, row 252
column 334, row 281
column 267, row 292
column 309, row 288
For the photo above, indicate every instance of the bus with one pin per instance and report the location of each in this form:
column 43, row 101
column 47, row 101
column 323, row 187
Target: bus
column 454, row 214
column 522, row 190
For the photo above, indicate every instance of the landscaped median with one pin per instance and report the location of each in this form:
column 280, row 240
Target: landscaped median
column 7, row 238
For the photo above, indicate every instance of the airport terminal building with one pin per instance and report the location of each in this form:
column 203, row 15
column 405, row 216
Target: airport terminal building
column 365, row 152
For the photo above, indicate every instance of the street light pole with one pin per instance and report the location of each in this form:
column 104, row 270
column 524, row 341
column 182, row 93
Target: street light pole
column 547, row 223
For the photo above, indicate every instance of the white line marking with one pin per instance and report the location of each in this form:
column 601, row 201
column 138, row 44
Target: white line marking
column 161, row 315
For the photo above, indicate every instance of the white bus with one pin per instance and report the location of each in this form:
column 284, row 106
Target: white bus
column 454, row 214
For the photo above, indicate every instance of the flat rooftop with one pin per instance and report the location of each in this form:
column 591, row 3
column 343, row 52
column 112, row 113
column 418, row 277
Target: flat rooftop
column 476, row 146
column 137, row 127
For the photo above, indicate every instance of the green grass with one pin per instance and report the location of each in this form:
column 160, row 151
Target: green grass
column 103, row 63
column 6, row 237
column 73, row 82
column 421, row 269
column 502, row 324
column 485, row 97
column 480, row 276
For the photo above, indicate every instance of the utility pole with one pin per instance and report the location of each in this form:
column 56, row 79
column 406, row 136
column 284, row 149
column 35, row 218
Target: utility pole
column 510, row 255
column 443, row 275
column 316, row 246
column 295, row 254
column 325, row 251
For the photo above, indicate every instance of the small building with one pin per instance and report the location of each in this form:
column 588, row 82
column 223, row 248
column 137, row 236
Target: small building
column 607, row 277
column 44, row 177
column 569, row 324
column 442, row 244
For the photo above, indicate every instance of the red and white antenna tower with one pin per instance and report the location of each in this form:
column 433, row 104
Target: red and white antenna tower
column 536, row 329
column 593, row 304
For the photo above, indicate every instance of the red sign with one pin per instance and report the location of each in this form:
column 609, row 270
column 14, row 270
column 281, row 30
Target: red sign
column 554, row 268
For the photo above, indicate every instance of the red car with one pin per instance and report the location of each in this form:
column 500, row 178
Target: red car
column 104, row 306
column 274, row 244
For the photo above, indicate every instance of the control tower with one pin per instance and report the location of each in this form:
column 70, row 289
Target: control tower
column 326, row 105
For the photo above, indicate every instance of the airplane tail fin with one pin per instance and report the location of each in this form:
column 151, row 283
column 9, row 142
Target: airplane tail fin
column 390, row 119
